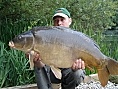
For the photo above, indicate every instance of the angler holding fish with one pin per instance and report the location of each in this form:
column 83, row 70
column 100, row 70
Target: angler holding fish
column 70, row 73
column 60, row 47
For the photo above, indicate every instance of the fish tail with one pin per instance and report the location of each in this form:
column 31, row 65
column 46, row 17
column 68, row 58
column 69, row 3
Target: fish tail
column 112, row 66
column 103, row 75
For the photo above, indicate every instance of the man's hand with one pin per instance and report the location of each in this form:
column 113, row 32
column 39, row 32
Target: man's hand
column 78, row 64
column 37, row 60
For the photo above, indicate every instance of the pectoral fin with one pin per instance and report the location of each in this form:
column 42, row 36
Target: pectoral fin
column 56, row 71
column 31, row 57
column 31, row 61
column 90, row 68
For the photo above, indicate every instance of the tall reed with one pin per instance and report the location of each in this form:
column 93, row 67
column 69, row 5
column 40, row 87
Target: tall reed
column 14, row 68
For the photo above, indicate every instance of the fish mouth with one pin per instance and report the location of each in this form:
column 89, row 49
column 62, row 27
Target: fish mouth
column 11, row 44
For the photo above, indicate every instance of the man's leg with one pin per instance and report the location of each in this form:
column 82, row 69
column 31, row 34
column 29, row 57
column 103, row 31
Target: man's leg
column 43, row 77
column 79, row 76
column 71, row 79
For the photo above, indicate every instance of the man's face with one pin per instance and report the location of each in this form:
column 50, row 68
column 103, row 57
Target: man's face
column 61, row 21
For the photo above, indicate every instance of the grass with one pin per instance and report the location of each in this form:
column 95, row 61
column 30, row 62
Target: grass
column 14, row 68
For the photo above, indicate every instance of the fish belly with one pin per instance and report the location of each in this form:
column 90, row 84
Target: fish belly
column 59, row 56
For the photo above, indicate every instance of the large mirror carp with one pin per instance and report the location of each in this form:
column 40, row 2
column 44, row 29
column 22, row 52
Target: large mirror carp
column 61, row 46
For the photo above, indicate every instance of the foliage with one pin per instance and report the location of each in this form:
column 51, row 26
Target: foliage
column 14, row 68
column 85, row 12
column 94, row 14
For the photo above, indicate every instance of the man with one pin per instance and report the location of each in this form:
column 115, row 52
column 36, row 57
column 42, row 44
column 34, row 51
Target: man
column 71, row 77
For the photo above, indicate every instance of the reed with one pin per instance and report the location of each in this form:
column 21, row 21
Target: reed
column 14, row 68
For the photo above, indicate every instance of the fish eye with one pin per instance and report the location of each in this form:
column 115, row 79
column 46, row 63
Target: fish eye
column 19, row 37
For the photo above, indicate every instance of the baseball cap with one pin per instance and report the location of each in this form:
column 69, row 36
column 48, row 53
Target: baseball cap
column 63, row 12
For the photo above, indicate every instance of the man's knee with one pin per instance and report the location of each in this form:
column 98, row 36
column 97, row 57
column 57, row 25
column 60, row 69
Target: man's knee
column 79, row 76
